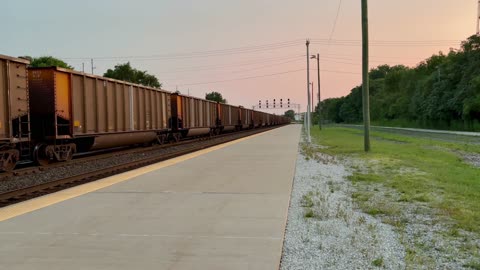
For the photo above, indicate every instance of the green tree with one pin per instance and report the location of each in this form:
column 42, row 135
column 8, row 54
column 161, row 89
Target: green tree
column 290, row 114
column 125, row 72
column 215, row 96
column 331, row 109
column 47, row 61
column 443, row 92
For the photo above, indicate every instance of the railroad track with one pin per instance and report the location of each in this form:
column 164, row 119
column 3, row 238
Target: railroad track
column 27, row 169
column 21, row 194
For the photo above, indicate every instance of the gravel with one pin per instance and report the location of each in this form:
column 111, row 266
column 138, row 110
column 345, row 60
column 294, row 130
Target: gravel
column 326, row 228
column 326, row 231
column 471, row 158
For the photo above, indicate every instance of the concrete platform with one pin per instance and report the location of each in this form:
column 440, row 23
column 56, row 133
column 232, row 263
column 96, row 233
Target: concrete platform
column 223, row 209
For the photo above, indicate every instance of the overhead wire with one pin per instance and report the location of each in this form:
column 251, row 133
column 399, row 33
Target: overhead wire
column 214, row 67
column 265, row 75
column 334, row 23
column 386, row 43
column 271, row 46
column 218, row 52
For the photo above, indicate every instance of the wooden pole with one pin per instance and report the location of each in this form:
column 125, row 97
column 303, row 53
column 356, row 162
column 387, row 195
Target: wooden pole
column 319, row 110
column 365, row 85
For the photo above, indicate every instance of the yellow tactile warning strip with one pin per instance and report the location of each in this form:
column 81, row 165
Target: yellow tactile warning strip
column 44, row 201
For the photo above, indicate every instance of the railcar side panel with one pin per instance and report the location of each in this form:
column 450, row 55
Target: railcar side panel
column 246, row 117
column 192, row 116
column 4, row 103
column 96, row 105
column 14, row 112
column 14, row 99
column 229, row 116
column 236, row 116
column 257, row 118
column 89, row 107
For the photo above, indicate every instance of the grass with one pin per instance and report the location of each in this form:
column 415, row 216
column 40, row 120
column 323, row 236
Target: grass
column 452, row 125
column 307, row 200
column 378, row 262
column 421, row 170
column 309, row 213
column 473, row 265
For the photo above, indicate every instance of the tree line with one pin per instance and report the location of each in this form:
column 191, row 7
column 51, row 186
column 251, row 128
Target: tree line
column 441, row 92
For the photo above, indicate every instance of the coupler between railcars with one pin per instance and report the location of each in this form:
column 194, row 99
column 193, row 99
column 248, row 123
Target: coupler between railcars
column 45, row 154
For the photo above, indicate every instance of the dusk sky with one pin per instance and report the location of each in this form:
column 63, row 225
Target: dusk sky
column 248, row 50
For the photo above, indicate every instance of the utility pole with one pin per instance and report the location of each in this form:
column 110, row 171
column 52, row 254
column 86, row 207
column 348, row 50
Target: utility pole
column 83, row 67
column 91, row 61
column 312, row 106
column 309, row 109
column 365, row 92
column 308, row 94
column 478, row 19
column 318, row 83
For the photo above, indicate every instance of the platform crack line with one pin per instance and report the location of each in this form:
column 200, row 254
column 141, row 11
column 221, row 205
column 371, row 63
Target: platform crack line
column 143, row 235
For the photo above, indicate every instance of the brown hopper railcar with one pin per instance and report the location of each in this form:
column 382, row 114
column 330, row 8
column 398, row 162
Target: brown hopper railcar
column 229, row 117
column 246, row 120
column 256, row 119
column 73, row 111
column 14, row 112
column 192, row 117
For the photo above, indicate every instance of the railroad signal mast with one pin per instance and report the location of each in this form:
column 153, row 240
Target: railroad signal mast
column 266, row 106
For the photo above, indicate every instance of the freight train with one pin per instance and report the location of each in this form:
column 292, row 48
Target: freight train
column 49, row 114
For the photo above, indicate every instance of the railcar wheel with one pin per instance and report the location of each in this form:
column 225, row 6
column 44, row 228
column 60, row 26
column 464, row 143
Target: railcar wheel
column 176, row 137
column 40, row 155
column 8, row 160
column 69, row 155
column 9, row 164
column 161, row 139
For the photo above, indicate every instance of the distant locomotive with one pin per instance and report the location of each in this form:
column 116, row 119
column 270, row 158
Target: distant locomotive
column 48, row 114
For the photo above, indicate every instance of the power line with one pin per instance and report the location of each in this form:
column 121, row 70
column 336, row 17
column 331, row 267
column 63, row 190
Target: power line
column 358, row 61
column 340, row 72
column 372, row 56
column 391, row 41
column 214, row 67
column 267, row 75
column 335, row 21
column 267, row 66
column 387, row 43
column 357, row 44
column 244, row 78
column 269, row 47
column 218, row 52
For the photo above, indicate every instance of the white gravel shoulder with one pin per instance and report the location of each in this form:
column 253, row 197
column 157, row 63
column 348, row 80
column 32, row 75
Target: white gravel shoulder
column 326, row 231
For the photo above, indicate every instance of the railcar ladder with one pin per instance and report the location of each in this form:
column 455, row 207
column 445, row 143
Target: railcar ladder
column 24, row 146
